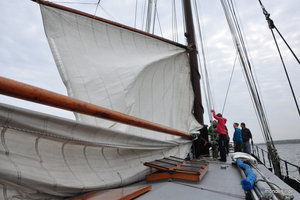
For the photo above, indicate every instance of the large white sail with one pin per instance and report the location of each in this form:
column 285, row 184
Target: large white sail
column 50, row 155
column 112, row 67
column 120, row 69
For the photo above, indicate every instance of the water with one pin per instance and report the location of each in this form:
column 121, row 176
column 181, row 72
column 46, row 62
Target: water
column 288, row 152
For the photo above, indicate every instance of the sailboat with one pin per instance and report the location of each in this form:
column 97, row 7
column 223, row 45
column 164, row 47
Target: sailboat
column 105, row 66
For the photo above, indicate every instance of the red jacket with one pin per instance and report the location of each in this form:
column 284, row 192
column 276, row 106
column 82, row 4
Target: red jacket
column 221, row 124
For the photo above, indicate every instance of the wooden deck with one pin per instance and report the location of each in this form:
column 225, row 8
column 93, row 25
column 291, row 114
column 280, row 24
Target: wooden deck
column 177, row 168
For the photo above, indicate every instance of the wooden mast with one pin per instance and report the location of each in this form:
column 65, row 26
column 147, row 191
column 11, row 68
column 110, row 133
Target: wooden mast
column 27, row 92
column 195, row 75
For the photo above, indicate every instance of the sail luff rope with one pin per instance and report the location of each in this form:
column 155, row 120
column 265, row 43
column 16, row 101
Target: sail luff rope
column 272, row 26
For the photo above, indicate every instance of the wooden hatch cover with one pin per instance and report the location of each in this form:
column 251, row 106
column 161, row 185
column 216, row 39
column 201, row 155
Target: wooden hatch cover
column 173, row 167
column 125, row 193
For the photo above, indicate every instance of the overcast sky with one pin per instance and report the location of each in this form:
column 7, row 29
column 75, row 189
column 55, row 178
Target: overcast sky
column 25, row 55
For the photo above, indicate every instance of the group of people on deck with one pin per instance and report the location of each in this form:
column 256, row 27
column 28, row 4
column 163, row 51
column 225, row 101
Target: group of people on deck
column 219, row 137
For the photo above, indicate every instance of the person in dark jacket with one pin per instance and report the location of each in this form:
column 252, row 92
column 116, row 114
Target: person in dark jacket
column 246, row 134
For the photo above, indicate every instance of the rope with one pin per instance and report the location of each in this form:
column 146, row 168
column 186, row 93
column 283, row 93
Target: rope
column 143, row 14
column 272, row 26
column 159, row 23
column 154, row 15
column 174, row 22
column 211, row 190
column 135, row 12
column 203, row 64
column 69, row 2
column 239, row 42
column 97, row 7
column 229, row 83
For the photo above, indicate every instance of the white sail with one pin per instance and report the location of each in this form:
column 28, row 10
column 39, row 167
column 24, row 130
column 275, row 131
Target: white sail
column 61, row 157
column 108, row 66
column 121, row 70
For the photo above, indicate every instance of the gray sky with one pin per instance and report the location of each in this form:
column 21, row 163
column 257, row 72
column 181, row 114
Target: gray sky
column 25, row 56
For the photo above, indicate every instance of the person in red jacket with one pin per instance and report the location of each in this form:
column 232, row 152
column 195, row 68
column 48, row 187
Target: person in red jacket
column 221, row 130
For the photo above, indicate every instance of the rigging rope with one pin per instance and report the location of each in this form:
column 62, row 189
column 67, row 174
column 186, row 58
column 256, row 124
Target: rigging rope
column 229, row 82
column 158, row 20
column 272, row 26
column 135, row 12
column 174, row 22
column 70, row 2
column 97, row 7
column 143, row 14
column 154, row 16
column 203, row 64
column 239, row 42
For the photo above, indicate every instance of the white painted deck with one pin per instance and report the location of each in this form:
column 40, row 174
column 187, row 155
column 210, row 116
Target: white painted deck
column 221, row 182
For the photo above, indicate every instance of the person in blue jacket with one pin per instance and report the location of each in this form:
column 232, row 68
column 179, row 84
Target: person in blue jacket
column 237, row 138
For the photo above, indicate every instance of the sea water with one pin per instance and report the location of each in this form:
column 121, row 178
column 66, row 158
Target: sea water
column 289, row 152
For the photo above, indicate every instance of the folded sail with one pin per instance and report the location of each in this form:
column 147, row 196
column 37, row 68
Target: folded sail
column 61, row 157
column 113, row 67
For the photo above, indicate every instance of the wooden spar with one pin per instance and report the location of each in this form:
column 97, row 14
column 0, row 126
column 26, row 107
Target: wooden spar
column 50, row 4
column 27, row 92
column 195, row 75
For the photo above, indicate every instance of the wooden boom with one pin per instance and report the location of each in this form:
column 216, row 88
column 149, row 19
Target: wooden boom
column 27, row 92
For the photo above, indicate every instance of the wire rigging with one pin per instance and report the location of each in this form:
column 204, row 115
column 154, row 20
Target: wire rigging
column 238, row 40
column 143, row 14
column 154, row 16
column 97, row 7
column 229, row 84
column 272, row 26
column 203, row 64
column 135, row 12
column 159, row 24
column 174, row 22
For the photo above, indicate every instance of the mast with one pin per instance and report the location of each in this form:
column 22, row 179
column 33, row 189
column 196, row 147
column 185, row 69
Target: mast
column 195, row 75
column 149, row 16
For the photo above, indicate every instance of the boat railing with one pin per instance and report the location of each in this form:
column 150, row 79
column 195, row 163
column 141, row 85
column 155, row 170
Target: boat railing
column 288, row 169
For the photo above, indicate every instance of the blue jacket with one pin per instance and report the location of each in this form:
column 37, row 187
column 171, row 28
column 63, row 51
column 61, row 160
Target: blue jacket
column 237, row 136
